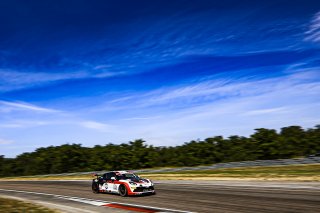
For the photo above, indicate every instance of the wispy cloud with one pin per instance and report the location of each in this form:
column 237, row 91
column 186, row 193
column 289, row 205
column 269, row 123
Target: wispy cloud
column 27, row 123
column 5, row 142
column 166, row 41
column 267, row 111
column 313, row 33
column 14, row 80
column 173, row 115
column 222, row 89
column 11, row 106
column 97, row 126
column 221, row 106
column 141, row 118
column 292, row 104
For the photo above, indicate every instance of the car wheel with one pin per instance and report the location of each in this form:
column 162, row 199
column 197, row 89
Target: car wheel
column 122, row 190
column 95, row 188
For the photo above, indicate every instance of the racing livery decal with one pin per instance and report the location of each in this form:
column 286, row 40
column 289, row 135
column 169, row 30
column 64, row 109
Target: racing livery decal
column 123, row 183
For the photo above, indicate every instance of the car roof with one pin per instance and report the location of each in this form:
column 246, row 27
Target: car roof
column 120, row 172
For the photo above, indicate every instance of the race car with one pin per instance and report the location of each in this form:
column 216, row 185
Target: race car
column 123, row 183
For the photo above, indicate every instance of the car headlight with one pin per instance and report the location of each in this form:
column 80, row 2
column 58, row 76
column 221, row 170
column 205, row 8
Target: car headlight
column 132, row 183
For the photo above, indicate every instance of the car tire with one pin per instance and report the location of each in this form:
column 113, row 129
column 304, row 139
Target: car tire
column 123, row 191
column 95, row 187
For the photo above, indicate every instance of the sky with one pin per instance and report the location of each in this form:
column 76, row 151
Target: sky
column 97, row 72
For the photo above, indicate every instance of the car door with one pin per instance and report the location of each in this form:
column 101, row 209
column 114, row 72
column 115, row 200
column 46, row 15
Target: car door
column 104, row 182
column 110, row 179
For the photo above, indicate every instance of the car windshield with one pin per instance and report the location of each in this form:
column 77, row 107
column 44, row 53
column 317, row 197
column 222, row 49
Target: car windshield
column 130, row 176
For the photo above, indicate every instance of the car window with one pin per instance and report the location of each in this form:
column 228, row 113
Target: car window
column 107, row 176
column 130, row 176
column 104, row 176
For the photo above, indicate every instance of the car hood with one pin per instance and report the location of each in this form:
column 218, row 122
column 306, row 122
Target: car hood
column 141, row 181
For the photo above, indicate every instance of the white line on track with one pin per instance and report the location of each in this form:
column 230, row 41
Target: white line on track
column 95, row 202
column 67, row 209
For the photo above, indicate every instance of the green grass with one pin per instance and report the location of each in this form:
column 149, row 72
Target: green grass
column 309, row 172
column 17, row 206
column 313, row 169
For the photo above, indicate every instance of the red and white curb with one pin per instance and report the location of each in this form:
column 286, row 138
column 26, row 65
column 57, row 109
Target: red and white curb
column 124, row 206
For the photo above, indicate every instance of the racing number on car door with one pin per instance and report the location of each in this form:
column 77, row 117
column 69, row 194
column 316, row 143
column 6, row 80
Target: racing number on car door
column 114, row 187
column 110, row 185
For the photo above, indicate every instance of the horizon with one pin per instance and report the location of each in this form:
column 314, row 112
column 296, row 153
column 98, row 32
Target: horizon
column 95, row 72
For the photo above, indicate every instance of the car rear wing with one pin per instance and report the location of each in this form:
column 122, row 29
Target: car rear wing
column 96, row 175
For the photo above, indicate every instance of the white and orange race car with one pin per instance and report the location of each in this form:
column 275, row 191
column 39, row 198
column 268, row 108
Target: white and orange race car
column 123, row 183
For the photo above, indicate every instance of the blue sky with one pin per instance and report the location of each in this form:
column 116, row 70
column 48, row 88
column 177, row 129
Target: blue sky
column 94, row 72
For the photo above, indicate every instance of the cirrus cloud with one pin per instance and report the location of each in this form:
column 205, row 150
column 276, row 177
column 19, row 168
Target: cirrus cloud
column 313, row 33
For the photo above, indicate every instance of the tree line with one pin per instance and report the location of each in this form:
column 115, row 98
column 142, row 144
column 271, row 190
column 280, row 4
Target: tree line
column 263, row 144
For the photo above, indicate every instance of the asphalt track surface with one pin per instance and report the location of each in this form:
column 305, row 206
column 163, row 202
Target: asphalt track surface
column 198, row 197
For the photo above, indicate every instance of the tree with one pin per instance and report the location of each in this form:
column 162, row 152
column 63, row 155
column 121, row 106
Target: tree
column 265, row 143
column 292, row 141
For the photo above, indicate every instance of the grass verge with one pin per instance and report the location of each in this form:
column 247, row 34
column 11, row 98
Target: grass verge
column 16, row 206
column 309, row 172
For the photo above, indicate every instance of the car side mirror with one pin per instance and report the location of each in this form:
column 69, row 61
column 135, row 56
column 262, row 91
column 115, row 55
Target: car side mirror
column 113, row 178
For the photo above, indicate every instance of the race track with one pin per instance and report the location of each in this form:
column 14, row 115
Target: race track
column 201, row 197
